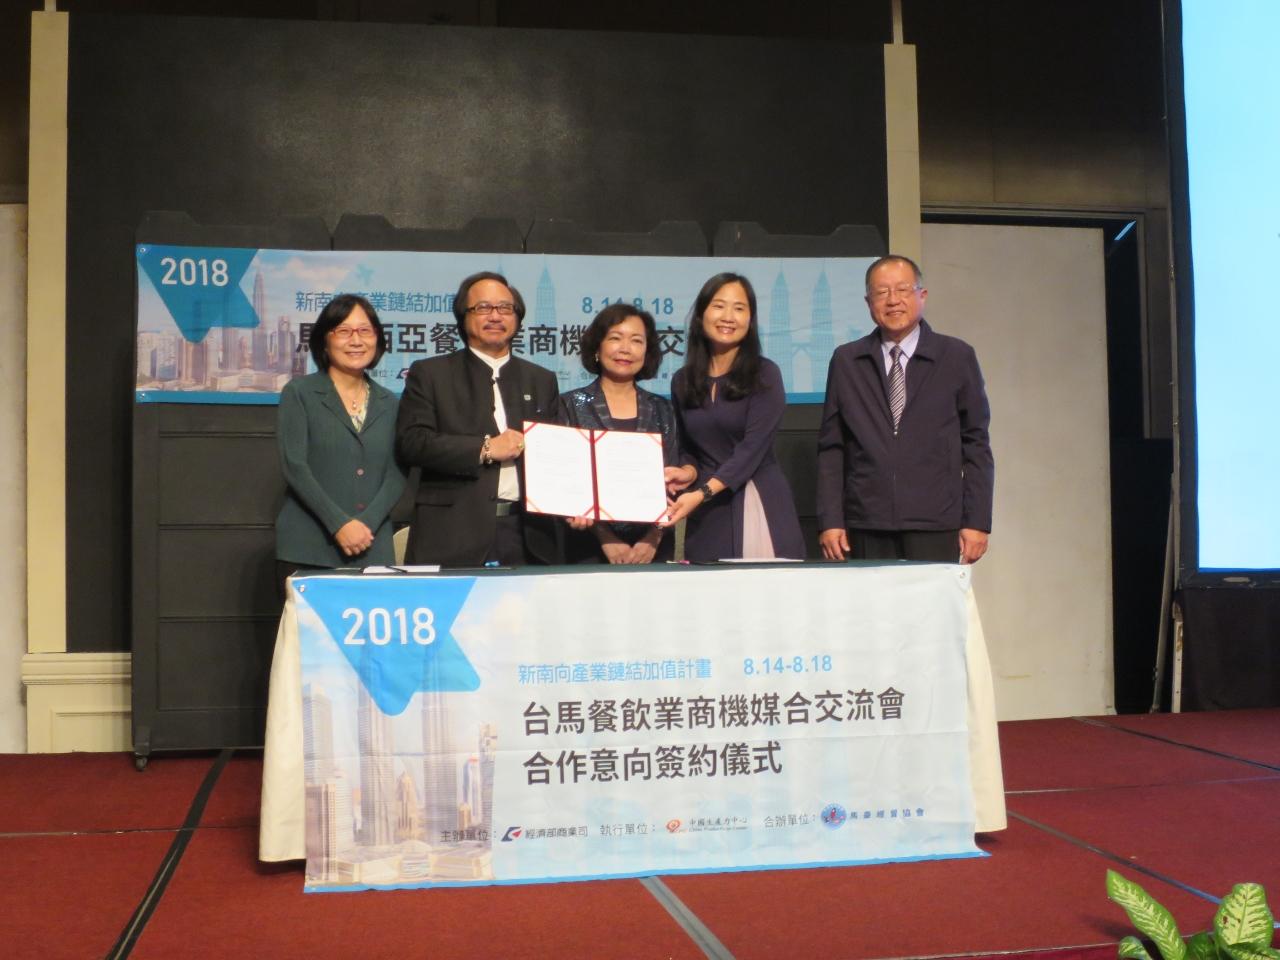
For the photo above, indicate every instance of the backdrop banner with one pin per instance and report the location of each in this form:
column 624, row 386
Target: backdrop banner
column 227, row 325
column 572, row 725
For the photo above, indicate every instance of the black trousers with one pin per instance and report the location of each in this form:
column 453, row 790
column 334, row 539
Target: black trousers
column 508, row 542
column 937, row 546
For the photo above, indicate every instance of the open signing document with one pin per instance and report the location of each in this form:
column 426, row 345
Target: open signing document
column 601, row 474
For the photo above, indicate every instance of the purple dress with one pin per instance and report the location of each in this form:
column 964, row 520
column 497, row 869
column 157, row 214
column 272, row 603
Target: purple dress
column 732, row 440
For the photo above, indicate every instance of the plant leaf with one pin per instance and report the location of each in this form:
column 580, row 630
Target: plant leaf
column 1243, row 918
column 1147, row 915
column 1202, row 947
column 1249, row 951
column 1132, row 947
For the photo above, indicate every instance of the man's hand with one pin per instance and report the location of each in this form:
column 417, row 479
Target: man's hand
column 507, row 445
column 973, row 544
column 353, row 538
column 834, row 543
column 580, row 523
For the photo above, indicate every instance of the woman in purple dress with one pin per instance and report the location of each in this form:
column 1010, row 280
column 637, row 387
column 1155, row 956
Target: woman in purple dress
column 729, row 401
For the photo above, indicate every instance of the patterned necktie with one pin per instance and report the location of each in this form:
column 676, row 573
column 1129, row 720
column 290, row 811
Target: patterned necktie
column 897, row 386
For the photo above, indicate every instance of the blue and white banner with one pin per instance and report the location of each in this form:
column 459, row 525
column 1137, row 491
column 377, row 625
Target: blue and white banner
column 507, row 728
column 228, row 325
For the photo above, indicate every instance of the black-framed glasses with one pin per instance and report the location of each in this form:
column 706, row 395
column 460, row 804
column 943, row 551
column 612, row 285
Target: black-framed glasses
column 484, row 308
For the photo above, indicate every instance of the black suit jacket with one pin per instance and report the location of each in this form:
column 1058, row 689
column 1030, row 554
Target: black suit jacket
column 445, row 412
column 938, row 472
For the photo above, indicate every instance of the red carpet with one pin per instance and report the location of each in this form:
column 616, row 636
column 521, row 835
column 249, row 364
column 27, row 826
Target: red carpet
column 242, row 910
column 1208, row 836
column 69, row 897
column 1034, row 893
column 237, row 794
column 1071, row 754
column 1249, row 734
column 1096, row 796
column 1103, row 952
column 95, row 791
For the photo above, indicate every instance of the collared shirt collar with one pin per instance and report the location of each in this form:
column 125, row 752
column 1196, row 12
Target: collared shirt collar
column 908, row 345
column 494, row 364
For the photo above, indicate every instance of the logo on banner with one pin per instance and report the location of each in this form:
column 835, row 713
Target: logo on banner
column 513, row 833
column 200, row 286
column 673, row 826
column 398, row 639
column 833, row 816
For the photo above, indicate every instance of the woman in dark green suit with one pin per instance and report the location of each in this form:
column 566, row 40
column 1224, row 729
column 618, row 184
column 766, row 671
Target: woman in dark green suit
column 336, row 435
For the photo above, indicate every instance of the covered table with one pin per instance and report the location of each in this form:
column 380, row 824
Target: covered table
column 774, row 662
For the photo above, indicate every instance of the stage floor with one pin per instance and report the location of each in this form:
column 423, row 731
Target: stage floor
column 99, row 860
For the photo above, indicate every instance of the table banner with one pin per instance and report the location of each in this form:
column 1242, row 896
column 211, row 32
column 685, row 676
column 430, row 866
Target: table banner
column 231, row 325
column 510, row 729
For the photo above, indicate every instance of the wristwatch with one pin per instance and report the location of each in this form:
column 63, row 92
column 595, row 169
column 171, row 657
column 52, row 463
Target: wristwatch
column 705, row 490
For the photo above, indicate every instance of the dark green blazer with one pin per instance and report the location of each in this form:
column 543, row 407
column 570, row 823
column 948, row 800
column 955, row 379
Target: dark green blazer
column 335, row 474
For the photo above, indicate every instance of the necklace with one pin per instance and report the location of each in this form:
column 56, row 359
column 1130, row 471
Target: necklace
column 356, row 401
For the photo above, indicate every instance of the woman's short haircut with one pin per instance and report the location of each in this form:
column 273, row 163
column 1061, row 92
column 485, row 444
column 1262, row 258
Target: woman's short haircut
column 606, row 320
column 334, row 312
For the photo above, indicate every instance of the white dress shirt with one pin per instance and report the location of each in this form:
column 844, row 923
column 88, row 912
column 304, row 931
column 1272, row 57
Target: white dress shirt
column 508, row 476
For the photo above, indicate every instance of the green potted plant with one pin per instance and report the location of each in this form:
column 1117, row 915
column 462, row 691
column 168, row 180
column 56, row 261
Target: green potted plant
column 1242, row 928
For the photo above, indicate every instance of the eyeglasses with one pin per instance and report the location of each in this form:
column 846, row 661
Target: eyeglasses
column 346, row 333
column 901, row 291
column 484, row 308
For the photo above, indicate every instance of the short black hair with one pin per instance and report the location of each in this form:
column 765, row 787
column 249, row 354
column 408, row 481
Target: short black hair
column 606, row 320
column 893, row 258
column 334, row 312
column 460, row 299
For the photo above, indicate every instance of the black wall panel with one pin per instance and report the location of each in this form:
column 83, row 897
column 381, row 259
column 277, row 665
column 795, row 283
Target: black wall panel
column 212, row 572
column 244, row 648
column 249, row 122
column 202, row 480
column 206, row 489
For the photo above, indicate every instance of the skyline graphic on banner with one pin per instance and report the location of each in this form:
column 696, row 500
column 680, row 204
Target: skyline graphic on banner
column 591, row 749
column 379, row 824
column 241, row 342
column 399, row 796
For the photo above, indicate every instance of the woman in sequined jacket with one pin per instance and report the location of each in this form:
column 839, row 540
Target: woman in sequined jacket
column 620, row 347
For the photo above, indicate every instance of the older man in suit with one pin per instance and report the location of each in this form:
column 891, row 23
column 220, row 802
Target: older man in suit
column 904, row 461
column 460, row 422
